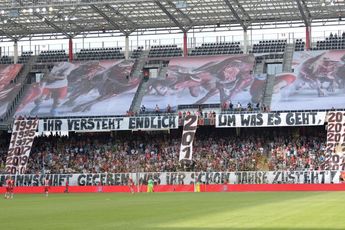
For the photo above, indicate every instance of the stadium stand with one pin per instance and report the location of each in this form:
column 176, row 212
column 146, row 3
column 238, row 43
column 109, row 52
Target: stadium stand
column 253, row 149
column 261, row 58
column 333, row 42
column 299, row 45
column 25, row 57
column 165, row 51
column 269, row 46
column 137, row 52
column 6, row 60
column 52, row 56
column 99, row 54
column 217, row 49
column 197, row 117
column 42, row 66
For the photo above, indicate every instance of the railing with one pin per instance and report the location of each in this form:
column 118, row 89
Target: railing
column 194, row 40
column 243, row 110
column 202, row 106
column 136, row 96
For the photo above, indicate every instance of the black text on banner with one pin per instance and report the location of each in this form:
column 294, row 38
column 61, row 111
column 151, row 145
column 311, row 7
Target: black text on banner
column 190, row 125
column 270, row 119
column 108, row 124
column 23, row 135
column 335, row 140
column 173, row 178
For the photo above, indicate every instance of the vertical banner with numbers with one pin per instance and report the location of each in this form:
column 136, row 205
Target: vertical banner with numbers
column 23, row 135
column 336, row 140
column 190, row 125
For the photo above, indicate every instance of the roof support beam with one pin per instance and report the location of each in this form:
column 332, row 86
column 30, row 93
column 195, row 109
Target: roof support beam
column 15, row 24
column 109, row 20
column 51, row 24
column 127, row 19
column 304, row 12
column 8, row 35
column 242, row 10
column 177, row 23
column 80, row 28
column 233, row 11
column 7, row 4
column 180, row 11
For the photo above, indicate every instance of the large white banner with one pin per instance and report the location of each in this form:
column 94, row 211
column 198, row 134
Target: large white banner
column 336, row 140
column 172, row 178
column 316, row 83
column 204, row 80
column 190, row 125
column 8, row 89
column 270, row 119
column 87, row 88
column 23, row 135
column 100, row 124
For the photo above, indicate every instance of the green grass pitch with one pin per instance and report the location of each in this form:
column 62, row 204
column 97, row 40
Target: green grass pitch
column 176, row 211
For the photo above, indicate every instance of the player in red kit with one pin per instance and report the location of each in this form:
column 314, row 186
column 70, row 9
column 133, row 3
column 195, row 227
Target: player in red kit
column 46, row 186
column 66, row 187
column 9, row 188
column 131, row 185
column 12, row 188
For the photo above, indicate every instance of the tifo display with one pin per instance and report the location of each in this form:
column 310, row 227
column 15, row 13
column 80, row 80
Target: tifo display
column 82, row 89
column 324, row 166
column 336, row 140
column 172, row 114
column 22, row 138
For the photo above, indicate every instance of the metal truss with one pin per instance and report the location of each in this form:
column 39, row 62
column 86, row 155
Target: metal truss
column 30, row 19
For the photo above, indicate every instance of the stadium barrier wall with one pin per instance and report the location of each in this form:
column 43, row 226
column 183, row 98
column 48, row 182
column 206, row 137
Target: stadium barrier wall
column 186, row 188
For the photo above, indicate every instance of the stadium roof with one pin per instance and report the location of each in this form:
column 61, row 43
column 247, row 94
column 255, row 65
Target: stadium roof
column 69, row 18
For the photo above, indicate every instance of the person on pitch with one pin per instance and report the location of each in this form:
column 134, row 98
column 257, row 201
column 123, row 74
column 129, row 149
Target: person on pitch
column 9, row 188
column 197, row 186
column 46, row 186
column 150, row 185
column 66, row 187
column 131, row 185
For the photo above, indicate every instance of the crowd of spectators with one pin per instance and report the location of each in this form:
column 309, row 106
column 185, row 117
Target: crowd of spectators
column 198, row 111
column 157, row 110
column 227, row 106
column 4, row 142
column 214, row 150
column 250, row 107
